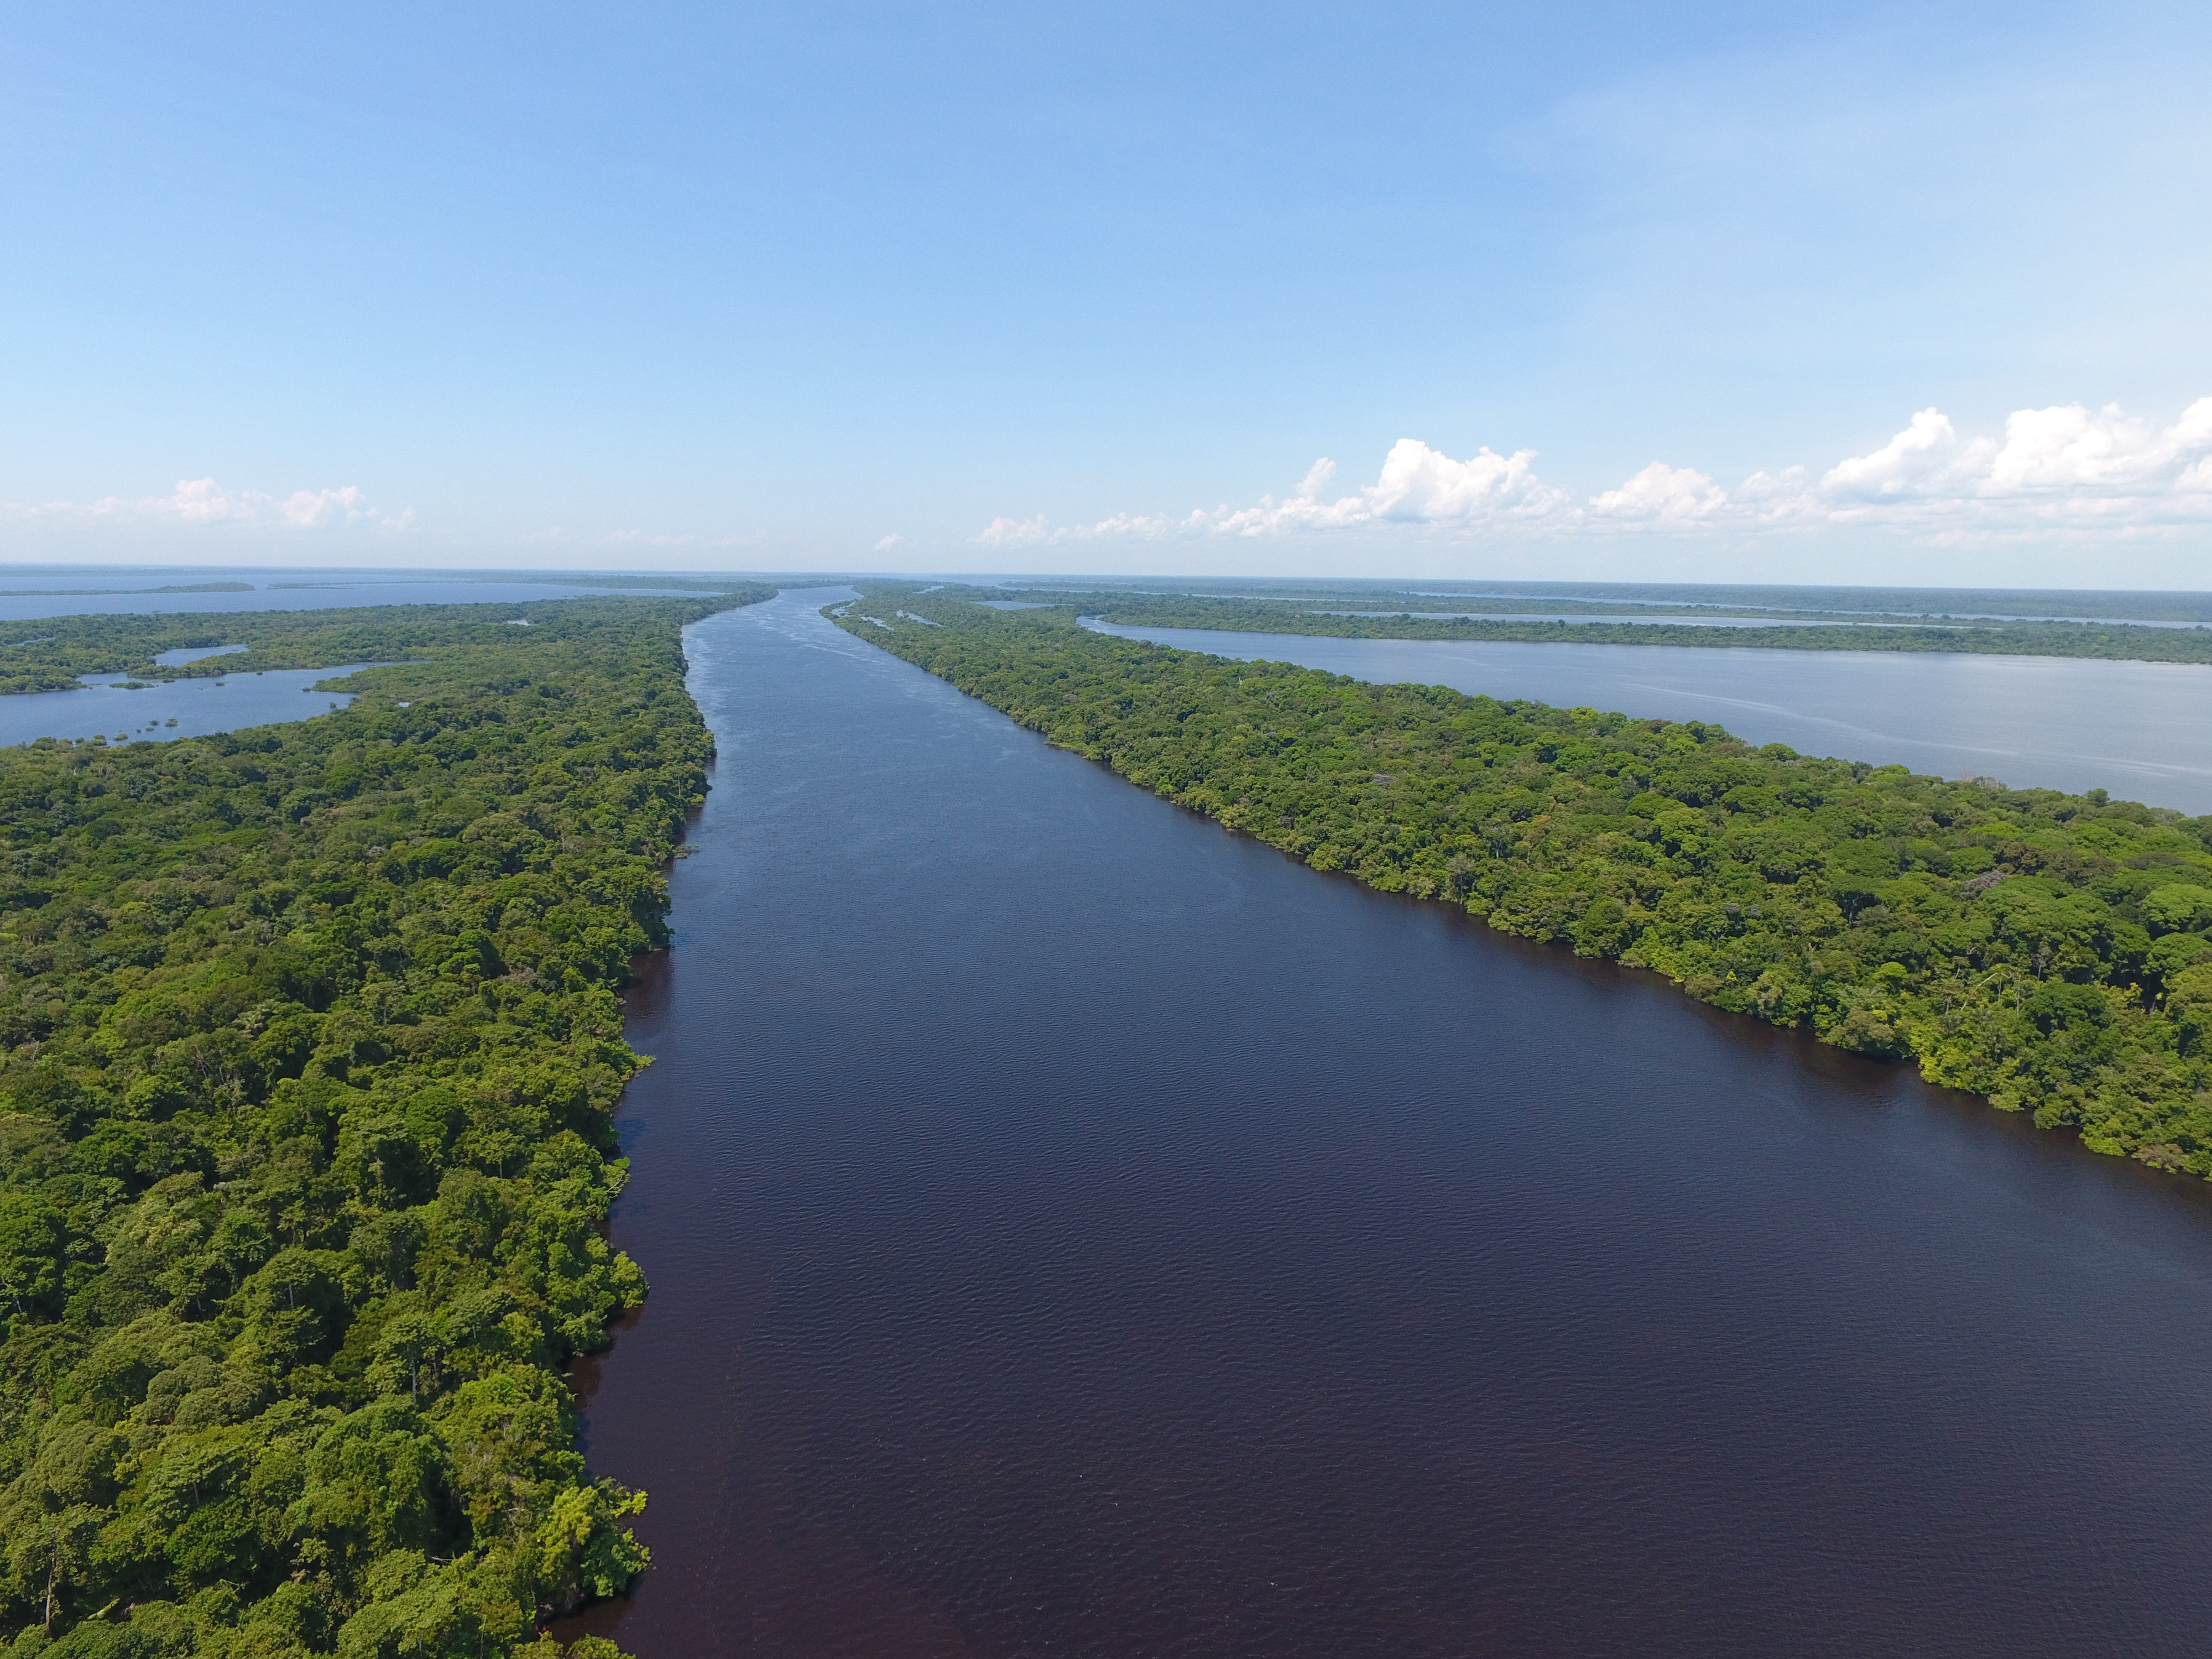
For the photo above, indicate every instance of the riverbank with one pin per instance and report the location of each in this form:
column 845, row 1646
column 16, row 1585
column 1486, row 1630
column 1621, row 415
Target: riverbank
column 2050, row 952
column 1075, row 1230
column 313, row 1049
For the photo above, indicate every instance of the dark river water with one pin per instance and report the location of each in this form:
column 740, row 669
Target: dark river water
column 1076, row 1230
column 2142, row 731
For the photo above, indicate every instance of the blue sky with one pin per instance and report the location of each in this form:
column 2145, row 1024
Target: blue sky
column 1764, row 291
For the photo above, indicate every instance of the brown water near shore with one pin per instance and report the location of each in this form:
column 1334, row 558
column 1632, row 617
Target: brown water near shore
column 1076, row 1229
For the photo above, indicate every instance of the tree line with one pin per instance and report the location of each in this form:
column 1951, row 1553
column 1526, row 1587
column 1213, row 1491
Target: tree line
column 51, row 653
column 1340, row 616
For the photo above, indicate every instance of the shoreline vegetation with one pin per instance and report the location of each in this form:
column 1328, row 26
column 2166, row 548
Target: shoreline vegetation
column 65, row 648
column 1396, row 615
column 309, row 1049
column 2050, row 952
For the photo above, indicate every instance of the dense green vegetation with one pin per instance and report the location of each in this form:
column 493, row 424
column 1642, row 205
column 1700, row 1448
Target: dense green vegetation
column 49, row 655
column 1662, row 598
column 2052, row 952
column 308, row 1050
column 1323, row 614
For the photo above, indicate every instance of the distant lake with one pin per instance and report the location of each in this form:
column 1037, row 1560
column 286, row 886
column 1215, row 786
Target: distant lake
column 2141, row 729
column 201, row 708
column 40, row 592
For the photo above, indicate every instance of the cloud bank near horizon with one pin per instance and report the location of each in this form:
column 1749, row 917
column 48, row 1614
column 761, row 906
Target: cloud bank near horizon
column 2066, row 470
column 205, row 501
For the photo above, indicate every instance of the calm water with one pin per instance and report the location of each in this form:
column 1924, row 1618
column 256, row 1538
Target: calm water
column 2142, row 730
column 33, row 592
column 1641, row 621
column 1077, row 1231
column 199, row 707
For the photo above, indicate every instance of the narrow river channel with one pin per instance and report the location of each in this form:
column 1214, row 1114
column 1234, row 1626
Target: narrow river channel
column 1074, row 1230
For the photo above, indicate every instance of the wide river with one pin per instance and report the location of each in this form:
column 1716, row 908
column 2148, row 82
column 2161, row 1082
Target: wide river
column 1075, row 1230
column 2141, row 729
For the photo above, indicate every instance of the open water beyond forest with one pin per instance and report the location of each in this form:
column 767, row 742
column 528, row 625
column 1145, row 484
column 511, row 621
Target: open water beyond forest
column 159, row 711
column 28, row 593
column 2142, row 731
column 1077, row 1229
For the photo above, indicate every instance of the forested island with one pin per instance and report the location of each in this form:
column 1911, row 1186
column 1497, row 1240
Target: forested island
column 60, row 650
column 311, row 1050
column 2051, row 952
column 1366, row 615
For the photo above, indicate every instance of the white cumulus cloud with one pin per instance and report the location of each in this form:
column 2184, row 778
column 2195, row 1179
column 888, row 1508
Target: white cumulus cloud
column 1418, row 486
column 1662, row 495
column 205, row 501
column 306, row 509
column 2066, row 469
column 1919, row 458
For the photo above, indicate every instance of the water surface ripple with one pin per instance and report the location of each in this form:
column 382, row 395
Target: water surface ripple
column 1077, row 1231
